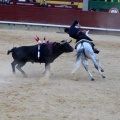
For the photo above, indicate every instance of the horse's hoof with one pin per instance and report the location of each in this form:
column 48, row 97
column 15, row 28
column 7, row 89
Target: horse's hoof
column 102, row 70
column 92, row 79
column 103, row 76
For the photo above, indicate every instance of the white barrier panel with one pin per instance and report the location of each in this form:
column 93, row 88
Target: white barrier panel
column 53, row 25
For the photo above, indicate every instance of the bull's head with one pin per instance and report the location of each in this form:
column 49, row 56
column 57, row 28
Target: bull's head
column 66, row 47
column 64, row 41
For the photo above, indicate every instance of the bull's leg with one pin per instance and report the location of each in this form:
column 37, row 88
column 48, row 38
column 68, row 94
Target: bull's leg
column 47, row 68
column 85, row 64
column 21, row 64
column 13, row 64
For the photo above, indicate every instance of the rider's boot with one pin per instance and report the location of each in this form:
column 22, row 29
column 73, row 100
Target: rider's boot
column 94, row 49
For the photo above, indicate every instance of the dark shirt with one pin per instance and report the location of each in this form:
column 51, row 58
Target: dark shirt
column 76, row 33
column 73, row 30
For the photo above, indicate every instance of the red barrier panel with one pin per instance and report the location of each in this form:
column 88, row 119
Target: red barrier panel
column 59, row 16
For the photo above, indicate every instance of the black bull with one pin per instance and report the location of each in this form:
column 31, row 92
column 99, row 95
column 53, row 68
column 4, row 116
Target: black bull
column 48, row 53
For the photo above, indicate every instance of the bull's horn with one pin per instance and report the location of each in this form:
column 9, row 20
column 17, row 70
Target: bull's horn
column 63, row 42
column 70, row 41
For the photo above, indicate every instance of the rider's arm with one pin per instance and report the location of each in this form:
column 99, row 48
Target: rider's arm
column 76, row 23
column 79, row 26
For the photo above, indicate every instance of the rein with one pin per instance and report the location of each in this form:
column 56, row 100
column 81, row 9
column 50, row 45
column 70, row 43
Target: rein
column 83, row 49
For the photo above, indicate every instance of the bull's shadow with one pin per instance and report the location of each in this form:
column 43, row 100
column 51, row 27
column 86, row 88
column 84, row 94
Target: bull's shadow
column 40, row 53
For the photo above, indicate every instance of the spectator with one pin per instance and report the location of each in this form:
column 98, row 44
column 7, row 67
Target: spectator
column 5, row 2
column 43, row 3
column 72, row 3
column 93, row 9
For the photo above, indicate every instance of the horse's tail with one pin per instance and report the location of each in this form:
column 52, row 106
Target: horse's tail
column 80, row 53
column 11, row 51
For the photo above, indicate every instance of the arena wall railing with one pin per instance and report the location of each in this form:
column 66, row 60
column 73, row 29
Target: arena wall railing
column 96, row 22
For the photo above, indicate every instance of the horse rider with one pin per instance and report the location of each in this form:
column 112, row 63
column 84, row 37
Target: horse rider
column 75, row 32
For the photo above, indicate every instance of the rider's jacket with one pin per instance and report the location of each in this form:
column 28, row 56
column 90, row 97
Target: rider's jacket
column 76, row 33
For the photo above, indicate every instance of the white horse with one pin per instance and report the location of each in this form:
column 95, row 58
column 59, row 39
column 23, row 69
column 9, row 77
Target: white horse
column 85, row 52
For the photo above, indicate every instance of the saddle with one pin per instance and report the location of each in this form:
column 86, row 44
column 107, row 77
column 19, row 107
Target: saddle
column 84, row 40
column 90, row 42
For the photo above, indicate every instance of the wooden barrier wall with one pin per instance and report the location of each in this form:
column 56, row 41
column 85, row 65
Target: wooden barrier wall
column 58, row 16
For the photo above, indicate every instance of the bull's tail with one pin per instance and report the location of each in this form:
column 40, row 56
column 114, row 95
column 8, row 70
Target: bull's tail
column 10, row 51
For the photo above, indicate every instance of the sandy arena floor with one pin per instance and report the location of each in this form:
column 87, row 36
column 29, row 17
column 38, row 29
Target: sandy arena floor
column 59, row 96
